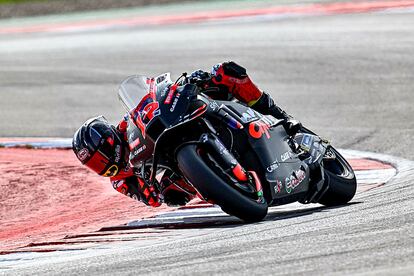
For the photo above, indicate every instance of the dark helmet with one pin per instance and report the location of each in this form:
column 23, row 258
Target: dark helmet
column 99, row 146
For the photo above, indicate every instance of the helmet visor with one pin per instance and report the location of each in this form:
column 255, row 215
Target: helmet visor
column 97, row 162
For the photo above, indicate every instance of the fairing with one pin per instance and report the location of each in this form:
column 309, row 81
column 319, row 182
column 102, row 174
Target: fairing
column 154, row 105
column 134, row 88
column 271, row 156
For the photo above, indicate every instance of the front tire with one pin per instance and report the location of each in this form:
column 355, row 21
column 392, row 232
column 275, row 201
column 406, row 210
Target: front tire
column 341, row 179
column 214, row 188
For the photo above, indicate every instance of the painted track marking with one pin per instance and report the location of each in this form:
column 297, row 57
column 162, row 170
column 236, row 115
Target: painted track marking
column 371, row 175
column 271, row 12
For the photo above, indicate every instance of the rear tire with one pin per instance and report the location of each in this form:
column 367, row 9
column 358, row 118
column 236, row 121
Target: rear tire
column 213, row 188
column 342, row 181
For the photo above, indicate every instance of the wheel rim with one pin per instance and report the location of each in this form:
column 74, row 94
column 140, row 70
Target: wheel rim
column 336, row 164
column 247, row 189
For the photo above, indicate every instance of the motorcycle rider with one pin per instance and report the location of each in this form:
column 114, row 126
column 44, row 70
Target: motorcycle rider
column 104, row 148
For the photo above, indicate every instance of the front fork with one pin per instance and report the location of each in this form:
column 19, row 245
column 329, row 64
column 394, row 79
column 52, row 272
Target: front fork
column 229, row 163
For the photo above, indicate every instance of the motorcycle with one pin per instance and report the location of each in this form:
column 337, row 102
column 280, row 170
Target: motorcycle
column 227, row 153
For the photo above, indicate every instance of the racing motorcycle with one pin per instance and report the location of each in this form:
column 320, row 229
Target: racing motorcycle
column 227, row 153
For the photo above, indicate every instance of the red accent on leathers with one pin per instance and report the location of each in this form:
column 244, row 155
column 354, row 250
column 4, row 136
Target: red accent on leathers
column 242, row 89
column 123, row 188
column 121, row 185
column 122, row 174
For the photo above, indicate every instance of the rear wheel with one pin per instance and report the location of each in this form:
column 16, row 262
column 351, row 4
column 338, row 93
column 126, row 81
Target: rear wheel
column 341, row 179
column 202, row 174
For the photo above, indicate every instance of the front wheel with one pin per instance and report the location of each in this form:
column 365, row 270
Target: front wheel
column 214, row 188
column 340, row 177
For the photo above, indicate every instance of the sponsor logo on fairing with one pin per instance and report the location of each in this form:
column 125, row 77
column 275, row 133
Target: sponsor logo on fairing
column 134, row 143
column 169, row 97
column 139, row 150
column 273, row 166
column 248, row 116
column 150, row 111
column 258, row 128
column 287, row 155
column 261, row 126
column 174, row 104
column 294, row 180
column 214, row 105
column 278, row 186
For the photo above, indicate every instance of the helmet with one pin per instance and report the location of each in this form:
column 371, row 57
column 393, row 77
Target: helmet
column 99, row 146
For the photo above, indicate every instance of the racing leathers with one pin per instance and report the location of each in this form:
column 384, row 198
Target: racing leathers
column 128, row 183
column 226, row 80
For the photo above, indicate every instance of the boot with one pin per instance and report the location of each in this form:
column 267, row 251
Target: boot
column 267, row 106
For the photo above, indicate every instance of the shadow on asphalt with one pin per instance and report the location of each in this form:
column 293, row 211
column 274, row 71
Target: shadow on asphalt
column 272, row 216
column 224, row 221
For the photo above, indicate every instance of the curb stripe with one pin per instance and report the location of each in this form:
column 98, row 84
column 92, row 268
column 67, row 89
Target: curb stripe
column 367, row 164
column 313, row 9
column 198, row 217
column 357, row 163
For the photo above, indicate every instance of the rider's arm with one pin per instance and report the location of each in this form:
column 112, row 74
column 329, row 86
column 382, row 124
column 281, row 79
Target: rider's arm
column 230, row 79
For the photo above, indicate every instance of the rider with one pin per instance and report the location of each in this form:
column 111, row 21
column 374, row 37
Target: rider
column 104, row 148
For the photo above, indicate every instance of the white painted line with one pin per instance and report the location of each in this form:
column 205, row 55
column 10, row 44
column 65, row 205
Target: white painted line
column 364, row 177
column 42, row 143
column 375, row 176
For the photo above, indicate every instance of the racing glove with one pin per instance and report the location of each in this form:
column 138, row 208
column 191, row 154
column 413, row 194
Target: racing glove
column 139, row 189
column 200, row 78
column 232, row 77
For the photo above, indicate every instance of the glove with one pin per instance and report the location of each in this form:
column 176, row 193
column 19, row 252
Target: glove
column 236, row 81
column 138, row 189
column 149, row 194
column 200, row 78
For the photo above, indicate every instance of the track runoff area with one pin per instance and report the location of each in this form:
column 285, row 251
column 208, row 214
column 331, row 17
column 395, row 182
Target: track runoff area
column 373, row 171
column 31, row 235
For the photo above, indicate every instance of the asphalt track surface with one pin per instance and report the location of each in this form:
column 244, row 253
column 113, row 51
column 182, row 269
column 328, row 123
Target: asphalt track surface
column 348, row 77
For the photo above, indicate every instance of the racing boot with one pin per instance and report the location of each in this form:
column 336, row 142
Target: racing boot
column 267, row 106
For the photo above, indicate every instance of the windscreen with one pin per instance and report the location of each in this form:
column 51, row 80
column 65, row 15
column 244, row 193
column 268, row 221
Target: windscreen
column 134, row 88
